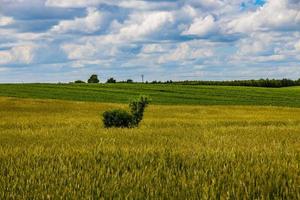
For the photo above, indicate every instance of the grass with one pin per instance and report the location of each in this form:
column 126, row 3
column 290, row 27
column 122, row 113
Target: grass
column 52, row 149
column 160, row 94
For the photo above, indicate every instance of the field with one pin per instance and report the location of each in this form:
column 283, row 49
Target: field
column 160, row 94
column 56, row 149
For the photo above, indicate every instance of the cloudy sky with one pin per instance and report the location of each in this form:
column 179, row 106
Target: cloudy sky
column 65, row 40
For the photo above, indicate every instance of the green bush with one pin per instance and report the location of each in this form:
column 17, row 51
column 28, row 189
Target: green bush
column 123, row 119
column 137, row 108
column 117, row 118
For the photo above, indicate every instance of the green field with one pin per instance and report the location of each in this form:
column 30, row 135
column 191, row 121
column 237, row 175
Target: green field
column 240, row 148
column 160, row 94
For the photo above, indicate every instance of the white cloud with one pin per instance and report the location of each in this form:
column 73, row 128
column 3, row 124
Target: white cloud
column 188, row 11
column 24, row 54
column 143, row 24
column 18, row 54
column 137, row 27
column 254, row 59
column 137, row 4
column 255, row 44
column 73, row 3
column 133, row 4
column 262, row 47
column 75, row 51
column 271, row 58
column 92, row 49
column 4, row 21
column 202, row 27
column 4, row 69
column 89, row 24
column 5, row 57
column 146, row 5
column 15, row 37
column 252, row 48
column 212, row 4
column 153, row 48
column 297, row 46
column 186, row 51
column 274, row 15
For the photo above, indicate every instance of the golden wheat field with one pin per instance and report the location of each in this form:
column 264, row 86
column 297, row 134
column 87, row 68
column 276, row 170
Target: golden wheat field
column 59, row 150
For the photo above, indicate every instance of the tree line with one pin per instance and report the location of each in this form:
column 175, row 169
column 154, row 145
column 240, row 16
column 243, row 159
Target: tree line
column 271, row 83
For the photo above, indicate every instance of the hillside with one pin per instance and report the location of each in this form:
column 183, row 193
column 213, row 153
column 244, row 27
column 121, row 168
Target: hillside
column 160, row 93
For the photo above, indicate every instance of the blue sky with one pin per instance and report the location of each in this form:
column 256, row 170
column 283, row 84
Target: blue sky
column 62, row 41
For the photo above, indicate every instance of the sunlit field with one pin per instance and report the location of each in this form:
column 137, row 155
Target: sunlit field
column 51, row 149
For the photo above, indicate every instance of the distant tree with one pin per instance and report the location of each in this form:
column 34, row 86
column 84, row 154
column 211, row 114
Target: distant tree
column 129, row 81
column 93, row 79
column 111, row 80
column 79, row 81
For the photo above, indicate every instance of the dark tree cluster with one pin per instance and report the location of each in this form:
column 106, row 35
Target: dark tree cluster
column 93, row 79
column 270, row 83
column 111, row 80
column 79, row 81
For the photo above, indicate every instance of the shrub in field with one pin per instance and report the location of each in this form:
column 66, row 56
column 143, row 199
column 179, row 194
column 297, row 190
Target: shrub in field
column 137, row 109
column 123, row 119
column 118, row 118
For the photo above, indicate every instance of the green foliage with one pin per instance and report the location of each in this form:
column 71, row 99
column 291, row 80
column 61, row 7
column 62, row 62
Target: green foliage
column 117, row 118
column 137, row 108
column 129, row 81
column 79, row 81
column 111, row 80
column 93, row 79
column 123, row 119
column 268, row 83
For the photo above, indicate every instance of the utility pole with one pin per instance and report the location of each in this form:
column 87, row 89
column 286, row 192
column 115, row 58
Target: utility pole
column 142, row 78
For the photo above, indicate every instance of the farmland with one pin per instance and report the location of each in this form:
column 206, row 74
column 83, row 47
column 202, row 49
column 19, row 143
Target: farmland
column 160, row 94
column 52, row 149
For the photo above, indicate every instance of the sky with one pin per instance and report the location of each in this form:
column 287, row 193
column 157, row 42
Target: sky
column 67, row 40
